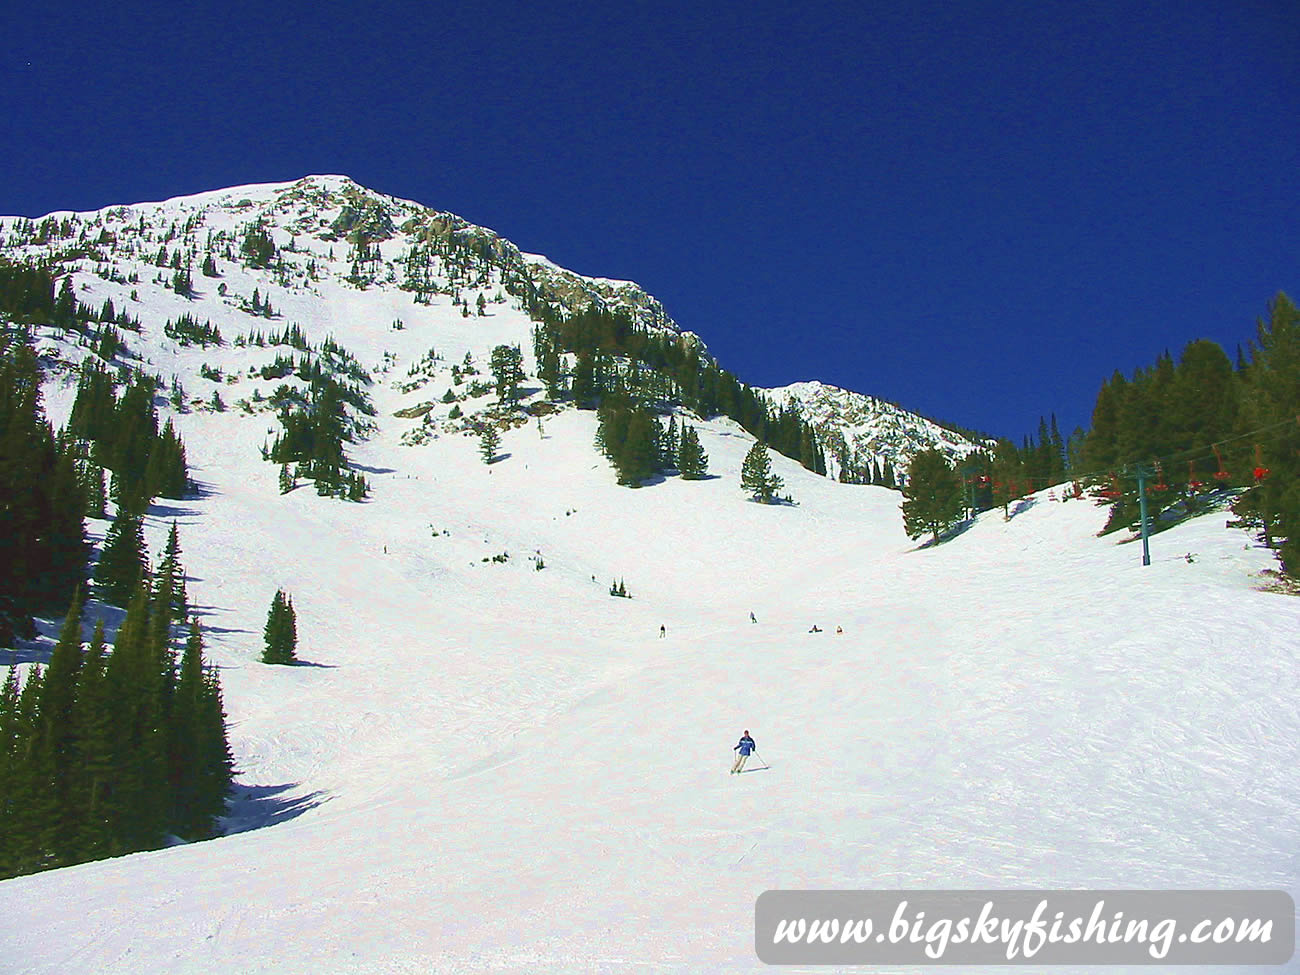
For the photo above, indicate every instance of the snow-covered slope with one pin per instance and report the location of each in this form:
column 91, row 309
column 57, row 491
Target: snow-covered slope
column 487, row 766
column 493, row 768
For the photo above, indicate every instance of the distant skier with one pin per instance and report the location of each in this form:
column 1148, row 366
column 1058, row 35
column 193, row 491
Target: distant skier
column 815, row 629
column 751, row 617
column 745, row 746
column 662, row 632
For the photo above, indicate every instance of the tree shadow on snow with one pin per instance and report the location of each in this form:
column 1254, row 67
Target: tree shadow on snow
column 39, row 649
column 776, row 502
column 1023, row 505
column 256, row 806
column 955, row 532
column 373, row 470
column 202, row 489
column 676, row 474
column 312, row 663
column 172, row 513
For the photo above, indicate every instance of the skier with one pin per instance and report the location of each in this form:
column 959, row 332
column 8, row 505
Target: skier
column 662, row 632
column 751, row 617
column 745, row 746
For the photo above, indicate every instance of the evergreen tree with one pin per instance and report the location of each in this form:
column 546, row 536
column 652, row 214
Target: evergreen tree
column 281, row 632
column 258, row 249
column 692, row 461
column 549, row 369
column 932, row 497
column 507, row 371
column 199, row 763
column 138, row 675
column 629, row 436
column 123, row 563
column 638, row 457
column 95, row 731
column 1271, row 403
column 169, row 595
column 92, row 488
column 58, row 728
column 583, row 385
column 756, row 475
column 1006, row 470
column 43, row 547
column 489, row 442
column 32, row 805
column 671, row 444
column 216, row 763
column 9, row 773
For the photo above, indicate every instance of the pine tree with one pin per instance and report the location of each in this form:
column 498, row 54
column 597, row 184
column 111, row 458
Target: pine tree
column 215, row 760
column 91, row 788
column 58, row 729
column 583, row 384
column 169, row 581
column 32, row 804
column 92, row 487
column 756, row 477
column 9, row 773
column 549, row 369
column 199, row 761
column 671, row 444
column 692, row 461
column 138, row 675
column 489, row 442
column 123, row 563
column 932, row 497
column 506, row 364
column 1271, row 401
column 281, row 632
column 43, row 549
column 638, row 458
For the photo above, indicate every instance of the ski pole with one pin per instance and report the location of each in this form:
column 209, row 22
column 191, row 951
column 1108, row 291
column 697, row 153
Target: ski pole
column 761, row 759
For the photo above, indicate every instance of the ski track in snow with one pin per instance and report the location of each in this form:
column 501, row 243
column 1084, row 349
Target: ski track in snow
column 482, row 767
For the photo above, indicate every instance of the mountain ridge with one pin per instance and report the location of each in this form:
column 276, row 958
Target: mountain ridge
column 399, row 244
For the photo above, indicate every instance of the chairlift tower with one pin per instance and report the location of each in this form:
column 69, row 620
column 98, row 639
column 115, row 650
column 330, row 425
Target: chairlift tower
column 1142, row 472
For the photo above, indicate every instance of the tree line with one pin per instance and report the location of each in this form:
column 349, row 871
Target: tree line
column 1194, row 427
column 109, row 753
column 613, row 355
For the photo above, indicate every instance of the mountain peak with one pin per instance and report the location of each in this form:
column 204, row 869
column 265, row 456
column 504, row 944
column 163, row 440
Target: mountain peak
column 328, row 231
column 859, row 429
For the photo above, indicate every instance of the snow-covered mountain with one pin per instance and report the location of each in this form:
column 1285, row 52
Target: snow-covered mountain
column 857, row 429
column 487, row 764
column 390, row 263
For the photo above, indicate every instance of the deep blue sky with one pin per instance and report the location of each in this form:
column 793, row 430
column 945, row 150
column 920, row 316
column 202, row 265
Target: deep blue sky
column 979, row 210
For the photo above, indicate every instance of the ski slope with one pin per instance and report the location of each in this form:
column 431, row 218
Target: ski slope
column 492, row 768
column 483, row 767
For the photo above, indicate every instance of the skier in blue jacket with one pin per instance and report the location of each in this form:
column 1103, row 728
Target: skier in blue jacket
column 745, row 746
